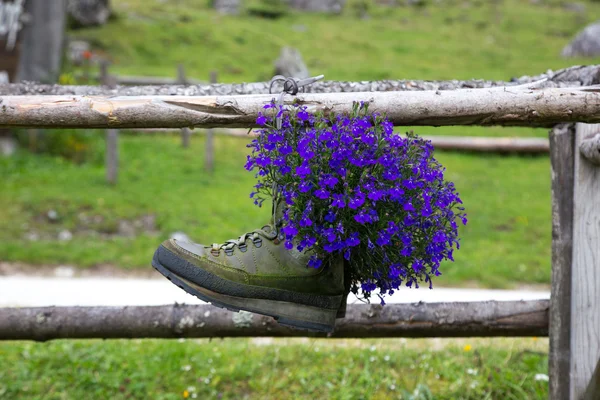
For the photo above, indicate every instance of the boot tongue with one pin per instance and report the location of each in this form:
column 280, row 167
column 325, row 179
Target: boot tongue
column 277, row 213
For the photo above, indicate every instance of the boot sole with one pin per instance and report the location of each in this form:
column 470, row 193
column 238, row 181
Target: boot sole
column 285, row 313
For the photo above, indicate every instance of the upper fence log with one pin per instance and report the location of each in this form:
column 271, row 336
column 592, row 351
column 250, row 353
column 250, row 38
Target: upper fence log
column 514, row 106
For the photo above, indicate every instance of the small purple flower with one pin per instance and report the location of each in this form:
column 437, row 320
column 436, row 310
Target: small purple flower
column 303, row 115
column 322, row 194
column 303, row 170
column 263, row 160
column 338, row 201
column 357, row 201
column 439, row 237
column 305, row 186
column 375, row 195
column 353, row 240
column 330, row 235
column 261, row 120
column 315, row 262
column 329, row 181
column 305, row 221
column 330, row 217
column 286, row 149
column 290, row 230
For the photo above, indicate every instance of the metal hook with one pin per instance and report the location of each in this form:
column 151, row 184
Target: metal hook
column 290, row 86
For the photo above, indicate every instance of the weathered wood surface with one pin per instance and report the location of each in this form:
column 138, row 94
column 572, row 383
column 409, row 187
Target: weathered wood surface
column 512, row 318
column 562, row 153
column 209, row 143
column 112, row 156
column 585, row 285
column 517, row 106
column 490, row 144
column 568, row 77
column 41, row 41
column 590, row 148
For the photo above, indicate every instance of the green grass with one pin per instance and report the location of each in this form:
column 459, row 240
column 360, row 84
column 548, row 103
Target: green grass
column 285, row 369
column 506, row 242
column 447, row 41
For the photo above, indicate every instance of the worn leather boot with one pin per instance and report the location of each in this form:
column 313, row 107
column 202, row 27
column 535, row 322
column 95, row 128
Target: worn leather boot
column 257, row 273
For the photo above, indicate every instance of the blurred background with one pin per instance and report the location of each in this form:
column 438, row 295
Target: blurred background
column 96, row 204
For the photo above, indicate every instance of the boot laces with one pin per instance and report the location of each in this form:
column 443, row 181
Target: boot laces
column 269, row 232
column 257, row 235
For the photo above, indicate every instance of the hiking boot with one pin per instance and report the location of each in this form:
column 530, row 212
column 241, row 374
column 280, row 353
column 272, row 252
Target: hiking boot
column 257, row 273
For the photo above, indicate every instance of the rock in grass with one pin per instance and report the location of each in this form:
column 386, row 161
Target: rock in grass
column 290, row 64
column 326, row 6
column 585, row 44
column 227, row 6
column 89, row 12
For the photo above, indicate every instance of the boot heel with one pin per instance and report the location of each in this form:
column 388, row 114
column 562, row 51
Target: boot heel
column 341, row 312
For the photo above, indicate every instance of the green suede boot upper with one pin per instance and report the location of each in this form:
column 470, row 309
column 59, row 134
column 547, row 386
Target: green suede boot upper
column 259, row 258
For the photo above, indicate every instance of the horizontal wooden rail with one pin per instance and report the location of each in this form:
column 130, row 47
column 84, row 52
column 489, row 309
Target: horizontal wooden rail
column 490, row 144
column 516, row 106
column 568, row 77
column 491, row 318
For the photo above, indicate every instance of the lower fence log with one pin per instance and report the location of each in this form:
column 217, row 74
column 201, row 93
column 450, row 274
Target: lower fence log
column 469, row 319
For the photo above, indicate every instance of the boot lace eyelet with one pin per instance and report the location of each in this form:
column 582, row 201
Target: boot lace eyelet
column 229, row 252
column 243, row 247
column 257, row 242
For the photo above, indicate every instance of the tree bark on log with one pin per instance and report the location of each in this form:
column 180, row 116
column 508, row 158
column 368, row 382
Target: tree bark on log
column 490, row 144
column 568, row 77
column 517, row 106
column 472, row 319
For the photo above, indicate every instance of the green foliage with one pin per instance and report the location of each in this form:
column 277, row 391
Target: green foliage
column 78, row 146
column 271, row 9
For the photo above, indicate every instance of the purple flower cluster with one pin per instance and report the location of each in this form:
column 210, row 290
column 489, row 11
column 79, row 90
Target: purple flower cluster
column 355, row 189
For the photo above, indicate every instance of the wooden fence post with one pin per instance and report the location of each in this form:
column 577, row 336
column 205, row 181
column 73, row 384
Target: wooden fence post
column 185, row 132
column 112, row 156
column 41, row 41
column 562, row 158
column 585, row 284
column 209, row 160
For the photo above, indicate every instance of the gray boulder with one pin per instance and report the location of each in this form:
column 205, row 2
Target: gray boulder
column 227, row 6
column 326, row 6
column 290, row 64
column 585, row 44
column 89, row 12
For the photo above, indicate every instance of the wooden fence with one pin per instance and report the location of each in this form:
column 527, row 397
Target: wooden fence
column 572, row 318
